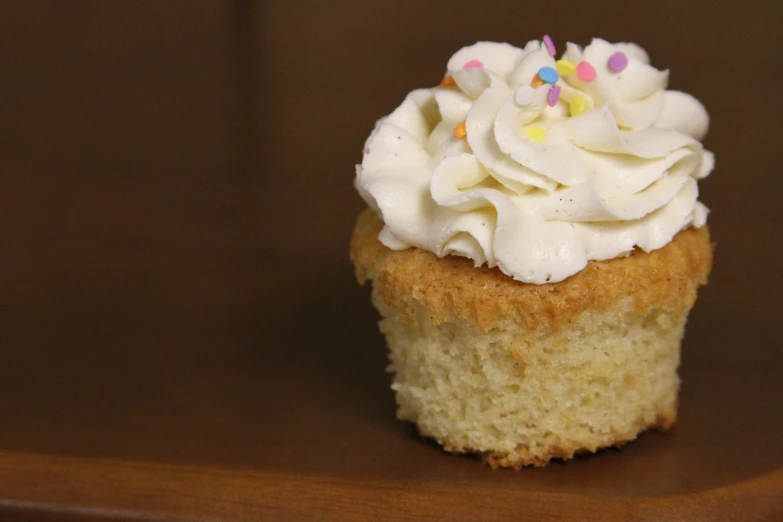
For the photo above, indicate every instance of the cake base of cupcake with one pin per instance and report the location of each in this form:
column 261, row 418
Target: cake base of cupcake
column 521, row 397
column 523, row 373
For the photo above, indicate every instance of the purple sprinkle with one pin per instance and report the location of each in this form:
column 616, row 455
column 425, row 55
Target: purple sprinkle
column 550, row 46
column 617, row 62
column 553, row 96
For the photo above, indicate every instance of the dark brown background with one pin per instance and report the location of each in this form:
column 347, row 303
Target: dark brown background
column 180, row 334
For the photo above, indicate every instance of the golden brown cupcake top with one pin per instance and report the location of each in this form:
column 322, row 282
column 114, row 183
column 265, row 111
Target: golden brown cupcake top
column 453, row 289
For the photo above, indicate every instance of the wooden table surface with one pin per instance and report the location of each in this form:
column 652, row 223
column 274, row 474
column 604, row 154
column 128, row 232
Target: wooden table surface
column 180, row 333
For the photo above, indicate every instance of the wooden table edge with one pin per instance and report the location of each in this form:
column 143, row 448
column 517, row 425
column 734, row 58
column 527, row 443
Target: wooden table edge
column 117, row 489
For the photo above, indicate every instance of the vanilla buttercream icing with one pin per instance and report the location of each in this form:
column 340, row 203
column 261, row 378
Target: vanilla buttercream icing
column 537, row 165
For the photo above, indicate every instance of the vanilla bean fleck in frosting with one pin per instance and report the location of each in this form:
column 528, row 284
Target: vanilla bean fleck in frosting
column 537, row 165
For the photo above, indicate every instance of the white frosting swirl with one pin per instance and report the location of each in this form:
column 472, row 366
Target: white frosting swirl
column 621, row 175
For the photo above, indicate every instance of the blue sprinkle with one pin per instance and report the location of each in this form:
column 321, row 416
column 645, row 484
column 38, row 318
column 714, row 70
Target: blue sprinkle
column 548, row 74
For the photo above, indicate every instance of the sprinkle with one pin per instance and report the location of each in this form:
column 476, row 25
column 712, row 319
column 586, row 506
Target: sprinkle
column 524, row 95
column 565, row 67
column 535, row 133
column 550, row 46
column 460, row 132
column 617, row 62
column 473, row 64
column 537, row 82
column 577, row 105
column 553, row 96
column 585, row 72
column 548, row 74
column 448, row 81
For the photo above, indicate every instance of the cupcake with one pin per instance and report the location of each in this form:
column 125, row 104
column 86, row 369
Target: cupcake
column 535, row 243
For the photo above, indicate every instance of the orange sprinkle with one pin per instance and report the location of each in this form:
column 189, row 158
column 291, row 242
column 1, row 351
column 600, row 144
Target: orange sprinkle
column 448, row 81
column 460, row 132
column 537, row 82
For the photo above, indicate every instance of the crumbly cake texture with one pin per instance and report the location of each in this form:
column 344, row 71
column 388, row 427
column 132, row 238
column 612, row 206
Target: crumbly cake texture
column 523, row 373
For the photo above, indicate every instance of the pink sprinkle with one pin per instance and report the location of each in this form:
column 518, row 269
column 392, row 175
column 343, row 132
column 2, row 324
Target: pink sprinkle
column 473, row 64
column 553, row 96
column 585, row 72
column 550, row 46
column 617, row 62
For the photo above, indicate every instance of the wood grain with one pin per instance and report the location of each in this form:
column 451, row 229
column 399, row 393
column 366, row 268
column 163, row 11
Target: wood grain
column 181, row 336
column 116, row 489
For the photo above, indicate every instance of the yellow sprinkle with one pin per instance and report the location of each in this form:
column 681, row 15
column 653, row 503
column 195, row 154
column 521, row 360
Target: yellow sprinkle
column 535, row 133
column 460, row 132
column 448, row 81
column 537, row 82
column 564, row 67
column 577, row 105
